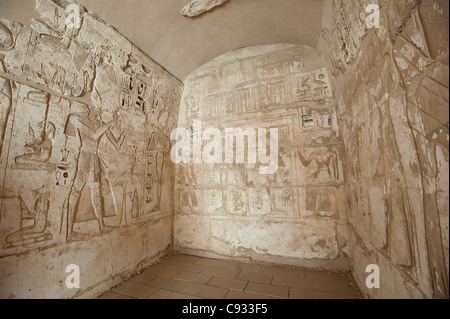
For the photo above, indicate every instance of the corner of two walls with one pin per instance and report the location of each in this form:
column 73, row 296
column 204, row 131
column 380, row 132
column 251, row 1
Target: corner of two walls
column 393, row 110
column 230, row 210
column 85, row 168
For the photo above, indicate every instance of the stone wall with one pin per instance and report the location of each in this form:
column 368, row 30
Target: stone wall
column 86, row 177
column 393, row 113
column 294, row 216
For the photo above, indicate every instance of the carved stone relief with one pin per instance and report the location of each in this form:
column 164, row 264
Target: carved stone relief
column 197, row 7
column 282, row 88
column 395, row 128
column 80, row 118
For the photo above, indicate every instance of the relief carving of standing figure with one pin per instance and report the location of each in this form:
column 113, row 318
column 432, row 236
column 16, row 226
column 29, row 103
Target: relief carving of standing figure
column 90, row 128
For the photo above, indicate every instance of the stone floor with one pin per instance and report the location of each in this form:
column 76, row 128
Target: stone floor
column 189, row 277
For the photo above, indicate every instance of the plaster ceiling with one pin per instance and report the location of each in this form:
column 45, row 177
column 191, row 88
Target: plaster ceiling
column 181, row 44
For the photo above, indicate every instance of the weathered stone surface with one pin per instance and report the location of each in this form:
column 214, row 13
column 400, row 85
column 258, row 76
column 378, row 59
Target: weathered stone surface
column 393, row 111
column 242, row 210
column 363, row 162
column 87, row 177
column 197, row 7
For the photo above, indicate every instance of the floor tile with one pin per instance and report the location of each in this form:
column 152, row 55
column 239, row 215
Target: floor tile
column 313, row 294
column 169, row 284
column 228, row 283
column 205, row 291
column 265, row 289
column 277, row 270
column 324, row 275
column 186, row 277
column 192, row 277
column 243, row 267
column 293, row 282
column 221, row 272
column 331, row 286
column 181, row 265
column 160, row 294
column 212, row 262
column 255, row 277
column 177, row 295
column 184, row 258
column 164, row 271
column 234, row 294
column 114, row 295
column 296, row 293
column 144, row 278
column 135, row 290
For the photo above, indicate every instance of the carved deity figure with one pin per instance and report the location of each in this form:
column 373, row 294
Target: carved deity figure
column 42, row 147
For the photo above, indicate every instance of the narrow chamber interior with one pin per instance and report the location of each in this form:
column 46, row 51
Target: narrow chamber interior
column 332, row 157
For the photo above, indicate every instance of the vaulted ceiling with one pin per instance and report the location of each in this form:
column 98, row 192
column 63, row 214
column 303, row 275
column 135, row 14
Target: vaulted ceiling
column 181, row 44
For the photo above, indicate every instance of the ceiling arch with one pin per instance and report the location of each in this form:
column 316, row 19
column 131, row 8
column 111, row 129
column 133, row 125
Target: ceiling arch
column 181, row 44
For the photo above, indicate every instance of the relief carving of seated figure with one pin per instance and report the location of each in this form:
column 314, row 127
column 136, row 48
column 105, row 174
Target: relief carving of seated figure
column 42, row 148
column 37, row 231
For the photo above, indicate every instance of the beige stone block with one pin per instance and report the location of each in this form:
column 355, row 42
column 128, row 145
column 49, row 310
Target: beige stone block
column 135, row 290
column 183, row 258
column 326, row 275
column 192, row 231
column 114, row 295
column 168, row 284
column 233, row 294
column 192, row 277
column 221, row 272
column 313, row 294
column 184, row 265
column 205, row 291
column 177, row 295
column 143, row 278
column 244, row 267
column 255, row 277
column 163, row 271
column 296, row 293
column 340, row 286
column 160, row 294
column 212, row 262
column 283, row 271
column 228, row 283
column 264, row 289
column 293, row 282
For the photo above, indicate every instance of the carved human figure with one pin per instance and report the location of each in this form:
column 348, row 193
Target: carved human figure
column 90, row 128
column 5, row 102
column 154, row 168
column 63, row 43
column 321, row 202
column 326, row 162
column 220, row 170
column 286, row 197
column 35, row 232
column 188, row 180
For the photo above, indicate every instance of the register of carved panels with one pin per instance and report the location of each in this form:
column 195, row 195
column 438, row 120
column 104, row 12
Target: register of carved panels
column 85, row 124
column 284, row 87
column 395, row 128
